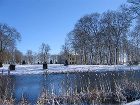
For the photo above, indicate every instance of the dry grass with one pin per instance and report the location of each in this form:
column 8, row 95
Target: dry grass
column 106, row 92
column 115, row 92
column 5, row 91
column 93, row 97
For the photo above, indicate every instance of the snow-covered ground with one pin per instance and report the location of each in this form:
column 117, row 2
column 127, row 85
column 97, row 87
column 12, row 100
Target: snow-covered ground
column 137, row 102
column 59, row 68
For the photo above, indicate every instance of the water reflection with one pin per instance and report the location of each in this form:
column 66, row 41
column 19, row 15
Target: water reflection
column 31, row 86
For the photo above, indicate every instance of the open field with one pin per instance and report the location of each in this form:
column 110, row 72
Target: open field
column 59, row 68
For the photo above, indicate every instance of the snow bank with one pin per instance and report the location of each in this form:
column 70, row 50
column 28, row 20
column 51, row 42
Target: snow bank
column 137, row 102
column 58, row 68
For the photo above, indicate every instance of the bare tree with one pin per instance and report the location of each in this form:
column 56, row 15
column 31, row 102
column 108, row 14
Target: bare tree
column 8, row 38
column 18, row 56
column 99, row 39
column 44, row 52
column 29, row 56
column 85, row 29
column 117, row 26
column 135, row 41
column 134, row 8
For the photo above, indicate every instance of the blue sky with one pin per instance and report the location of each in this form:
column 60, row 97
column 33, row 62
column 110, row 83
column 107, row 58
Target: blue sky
column 48, row 21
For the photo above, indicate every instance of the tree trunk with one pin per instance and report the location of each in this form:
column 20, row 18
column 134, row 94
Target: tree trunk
column 1, row 59
column 1, row 64
column 116, row 55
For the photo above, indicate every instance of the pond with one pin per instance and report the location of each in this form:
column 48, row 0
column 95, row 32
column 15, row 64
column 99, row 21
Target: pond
column 69, row 84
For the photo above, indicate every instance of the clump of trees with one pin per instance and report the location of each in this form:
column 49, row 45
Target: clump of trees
column 107, row 38
column 42, row 56
column 8, row 38
column 112, row 37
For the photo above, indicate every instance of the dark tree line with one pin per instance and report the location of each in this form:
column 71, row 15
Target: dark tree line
column 108, row 38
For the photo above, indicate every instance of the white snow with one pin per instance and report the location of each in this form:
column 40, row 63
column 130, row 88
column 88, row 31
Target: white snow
column 137, row 102
column 59, row 68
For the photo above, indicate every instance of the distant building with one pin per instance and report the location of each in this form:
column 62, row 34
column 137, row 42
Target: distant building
column 73, row 59
column 60, row 59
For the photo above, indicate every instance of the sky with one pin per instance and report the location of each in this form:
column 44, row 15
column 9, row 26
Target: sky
column 48, row 21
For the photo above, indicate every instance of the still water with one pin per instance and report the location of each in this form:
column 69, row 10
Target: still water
column 31, row 86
